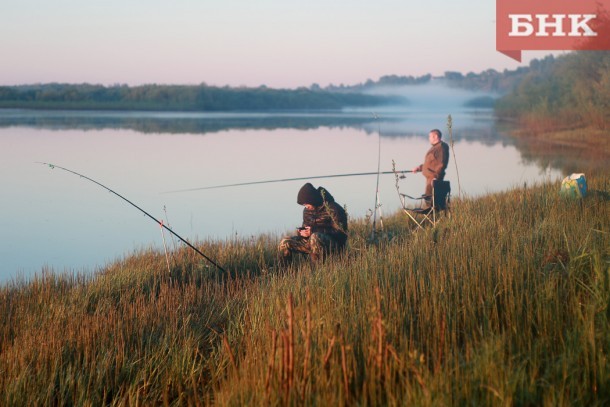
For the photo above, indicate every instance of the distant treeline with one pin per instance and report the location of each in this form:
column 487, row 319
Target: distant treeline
column 487, row 81
column 182, row 98
column 569, row 91
column 212, row 98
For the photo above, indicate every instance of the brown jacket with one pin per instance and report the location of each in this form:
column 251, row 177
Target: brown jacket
column 436, row 161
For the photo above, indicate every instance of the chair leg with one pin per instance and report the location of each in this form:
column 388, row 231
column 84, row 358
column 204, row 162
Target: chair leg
column 417, row 222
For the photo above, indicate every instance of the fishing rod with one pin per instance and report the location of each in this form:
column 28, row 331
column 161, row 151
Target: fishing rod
column 53, row 166
column 286, row 180
column 377, row 207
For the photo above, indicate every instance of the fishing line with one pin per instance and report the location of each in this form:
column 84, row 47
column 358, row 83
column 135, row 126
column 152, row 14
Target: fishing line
column 285, row 180
column 53, row 166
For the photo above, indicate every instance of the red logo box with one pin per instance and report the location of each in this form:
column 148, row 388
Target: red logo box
column 551, row 25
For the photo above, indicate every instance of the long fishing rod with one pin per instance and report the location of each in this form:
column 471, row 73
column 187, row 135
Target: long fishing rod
column 286, row 180
column 53, row 166
column 377, row 207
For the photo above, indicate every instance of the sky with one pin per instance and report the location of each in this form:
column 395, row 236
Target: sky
column 276, row 43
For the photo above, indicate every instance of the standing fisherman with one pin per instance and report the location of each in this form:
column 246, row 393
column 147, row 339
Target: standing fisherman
column 324, row 227
column 435, row 162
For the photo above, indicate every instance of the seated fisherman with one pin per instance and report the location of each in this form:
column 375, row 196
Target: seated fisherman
column 324, row 227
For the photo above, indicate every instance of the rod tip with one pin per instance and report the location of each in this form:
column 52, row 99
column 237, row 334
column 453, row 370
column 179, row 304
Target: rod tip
column 43, row 163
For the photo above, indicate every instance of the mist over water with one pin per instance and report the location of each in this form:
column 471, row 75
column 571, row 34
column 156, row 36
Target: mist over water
column 433, row 96
column 55, row 219
column 428, row 106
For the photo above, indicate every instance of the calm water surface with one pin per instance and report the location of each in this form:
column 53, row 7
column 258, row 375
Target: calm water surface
column 55, row 220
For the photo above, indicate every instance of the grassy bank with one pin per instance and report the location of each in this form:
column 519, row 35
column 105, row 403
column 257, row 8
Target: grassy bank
column 505, row 303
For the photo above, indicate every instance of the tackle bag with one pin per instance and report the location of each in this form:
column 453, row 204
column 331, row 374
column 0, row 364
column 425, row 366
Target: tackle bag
column 574, row 186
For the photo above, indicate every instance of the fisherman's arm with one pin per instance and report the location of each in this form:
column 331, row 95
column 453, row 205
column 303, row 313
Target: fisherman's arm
column 308, row 223
column 339, row 221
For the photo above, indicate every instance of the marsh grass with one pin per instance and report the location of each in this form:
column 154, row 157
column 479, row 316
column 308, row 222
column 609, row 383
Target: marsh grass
column 505, row 303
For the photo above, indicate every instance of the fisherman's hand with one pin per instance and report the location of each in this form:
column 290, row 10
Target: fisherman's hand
column 415, row 169
column 306, row 232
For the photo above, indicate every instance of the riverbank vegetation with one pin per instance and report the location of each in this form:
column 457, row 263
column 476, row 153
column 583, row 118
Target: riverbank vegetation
column 507, row 302
column 568, row 92
column 561, row 109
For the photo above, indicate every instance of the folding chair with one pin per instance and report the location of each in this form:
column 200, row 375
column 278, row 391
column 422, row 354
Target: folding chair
column 441, row 199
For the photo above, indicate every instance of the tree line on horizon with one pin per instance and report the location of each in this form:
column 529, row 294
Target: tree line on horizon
column 551, row 93
column 214, row 98
column 182, row 97
column 490, row 80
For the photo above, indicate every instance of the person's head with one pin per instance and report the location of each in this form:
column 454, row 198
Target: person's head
column 309, row 196
column 435, row 136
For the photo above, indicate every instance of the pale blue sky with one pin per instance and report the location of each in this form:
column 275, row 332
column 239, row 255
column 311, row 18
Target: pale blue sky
column 278, row 43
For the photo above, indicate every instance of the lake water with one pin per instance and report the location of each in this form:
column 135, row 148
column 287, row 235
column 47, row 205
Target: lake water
column 55, row 220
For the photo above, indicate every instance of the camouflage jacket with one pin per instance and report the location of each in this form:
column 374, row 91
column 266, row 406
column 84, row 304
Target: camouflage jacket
column 329, row 218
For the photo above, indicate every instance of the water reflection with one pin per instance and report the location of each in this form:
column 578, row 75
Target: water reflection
column 181, row 122
column 476, row 124
column 570, row 158
column 57, row 219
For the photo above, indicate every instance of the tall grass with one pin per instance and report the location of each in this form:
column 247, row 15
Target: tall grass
column 507, row 302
